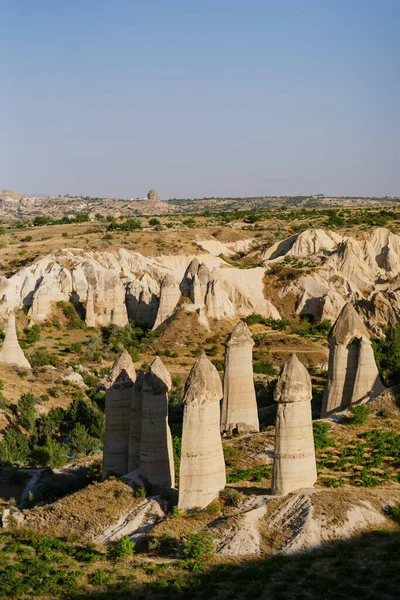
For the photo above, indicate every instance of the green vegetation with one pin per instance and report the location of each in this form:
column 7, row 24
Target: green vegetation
column 77, row 430
column 128, row 225
column 387, row 355
column 199, row 545
column 359, row 414
column 122, row 549
column 79, row 218
column 251, row 474
column 370, row 459
column 321, row 437
column 73, row 319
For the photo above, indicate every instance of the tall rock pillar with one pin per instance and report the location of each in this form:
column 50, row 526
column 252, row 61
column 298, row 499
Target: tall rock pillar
column 352, row 371
column 202, row 471
column 156, row 452
column 135, row 424
column 118, row 414
column 11, row 351
column 294, row 457
column 239, row 405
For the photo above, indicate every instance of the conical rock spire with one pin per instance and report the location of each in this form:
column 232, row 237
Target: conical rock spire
column 294, row 456
column 202, row 470
column 11, row 352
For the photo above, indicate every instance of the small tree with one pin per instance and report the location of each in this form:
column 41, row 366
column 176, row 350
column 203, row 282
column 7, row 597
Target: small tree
column 51, row 454
column 26, row 410
column 81, row 440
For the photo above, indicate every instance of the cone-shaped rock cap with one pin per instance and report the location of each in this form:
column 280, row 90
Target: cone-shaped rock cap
column 124, row 363
column 204, row 273
column 157, row 380
column 294, row 383
column 168, row 281
column 203, row 384
column 193, row 267
column 348, row 325
column 240, row 336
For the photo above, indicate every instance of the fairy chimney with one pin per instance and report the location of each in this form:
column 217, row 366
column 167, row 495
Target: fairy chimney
column 294, row 455
column 352, row 371
column 239, row 405
column 11, row 351
column 156, row 452
column 118, row 413
column 202, row 470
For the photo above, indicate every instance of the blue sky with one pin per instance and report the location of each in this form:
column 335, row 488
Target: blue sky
column 199, row 98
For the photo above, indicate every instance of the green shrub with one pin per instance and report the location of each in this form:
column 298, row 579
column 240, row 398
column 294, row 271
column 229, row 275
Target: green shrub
column 387, row 355
column 199, row 545
column 50, row 454
column 26, row 411
column 33, row 334
column 266, row 368
column 81, row 441
column 251, row 474
column 123, row 549
column 153, row 221
column 395, row 512
column 359, row 414
column 73, row 319
column 321, row 437
column 14, row 447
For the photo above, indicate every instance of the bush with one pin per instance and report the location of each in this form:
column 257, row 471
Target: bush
column 123, row 549
column 359, row 414
column 14, row 447
column 81, row 440
column 42, row 357
column 199, row 545
column 231, row 497
column 26, row 411
column 33, row 334
column 70, row 313
column 395, row 512
column 51, row 454
column 266, row 368
column 153, row 221
column 321, row 437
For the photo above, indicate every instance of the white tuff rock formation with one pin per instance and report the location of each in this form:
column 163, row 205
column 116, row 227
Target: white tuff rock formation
column 239, row 405
column 169, row 298
column 11, row 351
column 352, row 371
column 119, row 397
column 202, row 471
column 294, row 456
column 156, row 453
column 135, row 424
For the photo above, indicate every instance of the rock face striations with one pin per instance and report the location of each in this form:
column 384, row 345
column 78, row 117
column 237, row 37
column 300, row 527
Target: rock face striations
column 156, row 453
column 202, row 471
column 118, row 415
column 169, row 298
column 239, row 406
column 352, row 371
column 135, row 424
column 294, row 457
column 11, row 351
